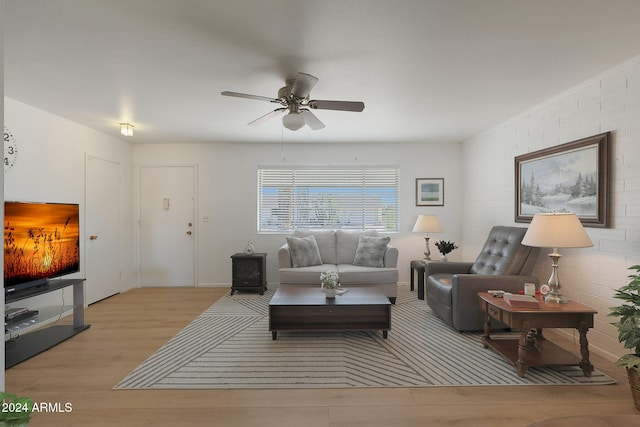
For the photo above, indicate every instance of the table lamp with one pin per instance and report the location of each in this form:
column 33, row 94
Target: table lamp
column 427, row 224
column 556, row 230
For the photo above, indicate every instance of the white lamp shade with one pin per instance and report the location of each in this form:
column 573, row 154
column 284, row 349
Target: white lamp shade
column 556, row 230
column 427, row 224
column 293, row 121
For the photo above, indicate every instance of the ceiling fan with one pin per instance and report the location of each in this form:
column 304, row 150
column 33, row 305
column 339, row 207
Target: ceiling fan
column 294, row 98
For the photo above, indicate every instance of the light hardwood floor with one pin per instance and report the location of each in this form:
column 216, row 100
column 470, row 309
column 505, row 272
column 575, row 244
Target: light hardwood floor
column 127, row 328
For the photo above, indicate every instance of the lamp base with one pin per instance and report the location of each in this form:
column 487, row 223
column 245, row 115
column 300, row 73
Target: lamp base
column 558, row 299
column 554, row 296
column 427, row 252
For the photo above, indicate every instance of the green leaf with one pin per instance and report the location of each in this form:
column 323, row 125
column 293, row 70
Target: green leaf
column 630, row 361
column 23, row 405
column 629, row 313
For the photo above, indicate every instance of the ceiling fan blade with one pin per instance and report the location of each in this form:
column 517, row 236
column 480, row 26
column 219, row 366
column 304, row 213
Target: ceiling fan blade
column 303, row 84
column 337, row 105
column 245, row 95
column 312, row 121
column 270, row 115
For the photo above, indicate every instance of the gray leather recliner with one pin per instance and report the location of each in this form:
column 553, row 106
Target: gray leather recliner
column 503, row 264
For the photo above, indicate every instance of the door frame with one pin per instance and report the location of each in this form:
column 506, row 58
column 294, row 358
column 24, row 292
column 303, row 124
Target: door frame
column 85, row 251
column 138, row 219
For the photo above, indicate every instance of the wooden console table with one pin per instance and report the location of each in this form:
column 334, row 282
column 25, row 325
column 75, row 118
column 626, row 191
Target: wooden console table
column 532, row 349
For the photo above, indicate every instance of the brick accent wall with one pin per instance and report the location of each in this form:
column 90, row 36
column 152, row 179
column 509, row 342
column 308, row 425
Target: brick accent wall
column 608, row 102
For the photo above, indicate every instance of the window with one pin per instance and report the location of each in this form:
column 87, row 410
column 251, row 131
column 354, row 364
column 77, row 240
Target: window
column 358, row 198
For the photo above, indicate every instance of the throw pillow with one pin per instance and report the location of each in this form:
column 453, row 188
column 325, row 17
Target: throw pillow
column 304, row 251
column 370, row 251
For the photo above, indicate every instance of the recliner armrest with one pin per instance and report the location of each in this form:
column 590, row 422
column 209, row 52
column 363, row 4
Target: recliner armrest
column 447, row 267
column 480, row 283
column 466, row 313
column 391, row 257
column 284, row 257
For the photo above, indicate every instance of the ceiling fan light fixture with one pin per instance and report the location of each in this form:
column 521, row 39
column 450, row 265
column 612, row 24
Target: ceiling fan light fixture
column 294, row 99
column 293, row 121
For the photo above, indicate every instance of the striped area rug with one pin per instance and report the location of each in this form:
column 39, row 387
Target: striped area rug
column 230, row 346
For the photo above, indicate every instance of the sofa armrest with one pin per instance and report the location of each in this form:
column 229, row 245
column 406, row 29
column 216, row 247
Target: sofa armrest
column 391, row 257
column 284, row 257
column 446, row 267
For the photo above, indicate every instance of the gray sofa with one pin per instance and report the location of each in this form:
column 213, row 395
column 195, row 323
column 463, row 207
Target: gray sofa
column 503, row 264
column 359, row 262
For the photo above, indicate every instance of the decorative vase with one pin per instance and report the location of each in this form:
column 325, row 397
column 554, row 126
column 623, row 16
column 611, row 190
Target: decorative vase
column 444, row 258
column 249, row 249
column 330, row 293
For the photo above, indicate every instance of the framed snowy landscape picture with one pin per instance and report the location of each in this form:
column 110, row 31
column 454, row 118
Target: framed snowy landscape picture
column 572, row 177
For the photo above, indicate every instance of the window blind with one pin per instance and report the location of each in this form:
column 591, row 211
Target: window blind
column 358, row 198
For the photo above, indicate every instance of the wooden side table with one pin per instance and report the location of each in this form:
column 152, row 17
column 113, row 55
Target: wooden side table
column 532, row 349
column 249, row 272
column 418, row 266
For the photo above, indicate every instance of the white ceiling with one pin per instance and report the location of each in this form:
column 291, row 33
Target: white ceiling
column 427, row 70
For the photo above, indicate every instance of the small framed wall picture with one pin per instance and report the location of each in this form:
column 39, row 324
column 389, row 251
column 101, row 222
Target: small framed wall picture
column 429, row 191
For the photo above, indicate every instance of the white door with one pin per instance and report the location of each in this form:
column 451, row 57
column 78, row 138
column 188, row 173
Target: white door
column 102, row 219
column 167, row 226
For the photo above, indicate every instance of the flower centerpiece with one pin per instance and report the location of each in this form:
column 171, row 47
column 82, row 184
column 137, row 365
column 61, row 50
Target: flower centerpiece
column 629, row 330
column 329, row 283
column 445, row 247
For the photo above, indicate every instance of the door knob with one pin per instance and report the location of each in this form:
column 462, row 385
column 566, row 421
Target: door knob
column 189, row 232
column 190, row 224
column 93, row 237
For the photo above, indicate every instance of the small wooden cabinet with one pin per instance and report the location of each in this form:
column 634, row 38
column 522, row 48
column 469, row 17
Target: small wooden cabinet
column 249, row 272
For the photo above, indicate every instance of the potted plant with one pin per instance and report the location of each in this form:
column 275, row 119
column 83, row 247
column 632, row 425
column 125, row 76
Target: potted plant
column 629, row 330
column 445, row 247
column 16, row 411
column 329, row 283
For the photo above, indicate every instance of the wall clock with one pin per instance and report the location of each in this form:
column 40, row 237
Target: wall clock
column 10, row 150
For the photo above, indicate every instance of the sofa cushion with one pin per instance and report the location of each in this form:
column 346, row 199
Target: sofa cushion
column 370, row 251
column 305, row 275
column 304, row 251
column 347, row 243
column 358, row 275
column 326, row 240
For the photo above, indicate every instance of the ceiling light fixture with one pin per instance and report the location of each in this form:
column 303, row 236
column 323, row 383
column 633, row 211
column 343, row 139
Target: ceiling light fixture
column 126, row 129
column 293, row 121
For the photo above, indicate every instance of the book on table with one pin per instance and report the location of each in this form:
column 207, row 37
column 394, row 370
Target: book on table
column 521, row 301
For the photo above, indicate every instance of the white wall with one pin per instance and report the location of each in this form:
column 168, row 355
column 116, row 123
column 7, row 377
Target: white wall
column 609, row 102
column 50, row 167
column 227, row 192
column 2, row 178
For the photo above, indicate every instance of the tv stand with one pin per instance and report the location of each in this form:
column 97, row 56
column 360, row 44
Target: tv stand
column 30, row 340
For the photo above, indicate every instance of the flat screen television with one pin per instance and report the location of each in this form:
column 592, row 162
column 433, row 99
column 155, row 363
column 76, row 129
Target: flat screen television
column 41, row 241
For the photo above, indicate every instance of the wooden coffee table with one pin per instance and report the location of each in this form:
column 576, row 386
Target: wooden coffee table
column 307, row 309
column 532, row 349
